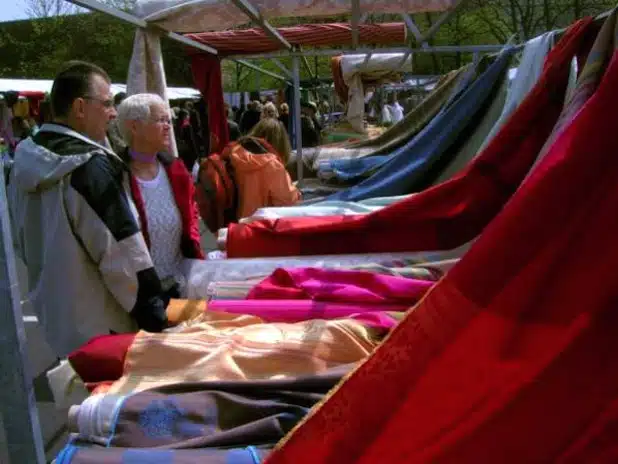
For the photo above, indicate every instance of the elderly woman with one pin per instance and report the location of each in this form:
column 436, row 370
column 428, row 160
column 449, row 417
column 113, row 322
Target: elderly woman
column 161, row 187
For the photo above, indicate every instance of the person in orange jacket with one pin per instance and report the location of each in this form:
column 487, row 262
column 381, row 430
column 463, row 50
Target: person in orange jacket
column 259, row 162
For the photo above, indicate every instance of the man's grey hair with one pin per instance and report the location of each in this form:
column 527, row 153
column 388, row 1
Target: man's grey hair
column 137, row 107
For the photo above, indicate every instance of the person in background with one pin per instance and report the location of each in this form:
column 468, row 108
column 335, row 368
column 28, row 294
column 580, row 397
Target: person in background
column 259, row 162
column 185, row 139
column 324, row 113
column 284, row 115
column 269, row 110
column 232, row 127
column 251, row 117
column 21, row 129
column 113, row 133
column 395, row 109
column 89, row 270
column 161, row 188
column 239, row 113
column 310, row 127
column 6, row 126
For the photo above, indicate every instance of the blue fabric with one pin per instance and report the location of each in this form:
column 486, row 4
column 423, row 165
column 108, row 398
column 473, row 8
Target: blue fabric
column 141, row 456
column 350, row 168
column 356, row 169
column 80, row 455
column 407, row 166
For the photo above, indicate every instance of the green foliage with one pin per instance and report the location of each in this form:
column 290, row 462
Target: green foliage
column 36, row 48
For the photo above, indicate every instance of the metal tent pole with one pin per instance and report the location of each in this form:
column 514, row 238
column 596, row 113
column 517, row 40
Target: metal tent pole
column 18, row 408
column 297, row 124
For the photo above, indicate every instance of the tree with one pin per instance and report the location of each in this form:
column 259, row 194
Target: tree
column 49, row 8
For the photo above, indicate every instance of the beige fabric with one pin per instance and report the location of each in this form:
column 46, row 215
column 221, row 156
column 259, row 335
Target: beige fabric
column 212, row 15
column 356, row 69
column 146, row 71
column 221, row 346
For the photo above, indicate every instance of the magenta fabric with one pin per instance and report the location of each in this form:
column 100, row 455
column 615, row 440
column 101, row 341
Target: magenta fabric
column 343, row 286
column 305, row 310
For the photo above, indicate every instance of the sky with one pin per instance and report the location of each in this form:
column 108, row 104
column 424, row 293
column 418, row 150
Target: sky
column 12, row 10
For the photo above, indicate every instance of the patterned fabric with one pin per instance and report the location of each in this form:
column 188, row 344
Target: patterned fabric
column 164, row 225
column 203, row 415
column 511, row 357
column 255, row 40
column 223, row 346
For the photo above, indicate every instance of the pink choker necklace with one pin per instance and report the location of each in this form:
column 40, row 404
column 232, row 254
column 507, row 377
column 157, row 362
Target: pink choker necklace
column 143, row 157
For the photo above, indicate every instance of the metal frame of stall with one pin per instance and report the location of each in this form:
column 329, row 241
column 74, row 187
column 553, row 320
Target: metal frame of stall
column 18, row 409
column 297, row 55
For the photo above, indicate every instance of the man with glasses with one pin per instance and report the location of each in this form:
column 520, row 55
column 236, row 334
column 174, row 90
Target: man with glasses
column 89, row 269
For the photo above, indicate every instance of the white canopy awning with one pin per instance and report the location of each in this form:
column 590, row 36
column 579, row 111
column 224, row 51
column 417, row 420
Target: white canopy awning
column 211, row 15
column 45, row 85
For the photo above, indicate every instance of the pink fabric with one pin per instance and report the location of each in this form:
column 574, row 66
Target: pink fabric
column 304, row 310
column 341, row 286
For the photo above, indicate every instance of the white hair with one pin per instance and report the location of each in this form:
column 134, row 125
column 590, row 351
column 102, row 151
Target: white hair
column 137, row 107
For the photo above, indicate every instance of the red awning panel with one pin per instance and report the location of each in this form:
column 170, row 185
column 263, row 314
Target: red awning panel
column 248, row 41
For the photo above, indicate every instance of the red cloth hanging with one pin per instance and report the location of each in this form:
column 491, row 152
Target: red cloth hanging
column 207, row 78
column 445, row 216
column 511, row 357
column 341, row 88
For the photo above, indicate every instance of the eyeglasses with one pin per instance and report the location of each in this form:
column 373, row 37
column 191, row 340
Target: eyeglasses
column 106, row 103
column 162, row 120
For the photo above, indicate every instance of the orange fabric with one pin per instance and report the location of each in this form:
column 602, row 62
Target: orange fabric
column 261, row 181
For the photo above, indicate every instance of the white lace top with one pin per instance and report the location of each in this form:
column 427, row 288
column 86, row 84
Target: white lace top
column 164, row 225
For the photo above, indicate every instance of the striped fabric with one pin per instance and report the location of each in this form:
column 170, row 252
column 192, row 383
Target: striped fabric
column 255, row 40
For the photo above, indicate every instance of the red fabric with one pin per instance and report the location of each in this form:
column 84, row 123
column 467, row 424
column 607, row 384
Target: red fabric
column 341, row 88
column 102, row 358
column 255, row 40
column 445, row 216
column 184, row 194
column 207, row 77
column 511, row 357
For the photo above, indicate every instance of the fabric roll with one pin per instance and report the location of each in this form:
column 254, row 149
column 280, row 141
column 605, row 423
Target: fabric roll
column 471, row 144
column 406, row 167
column 73, row 454
column 528, row 73
column 324, row 208
column 336, row 285
column 200, row 273
column 396, row 136
column 225, row 346
column 443, row 216
column 202, row 414
column 294, row 311
column 511, row 357
column 356, row 168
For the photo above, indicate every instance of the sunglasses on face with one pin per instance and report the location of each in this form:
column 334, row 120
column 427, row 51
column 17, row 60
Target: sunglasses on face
column 109, row 103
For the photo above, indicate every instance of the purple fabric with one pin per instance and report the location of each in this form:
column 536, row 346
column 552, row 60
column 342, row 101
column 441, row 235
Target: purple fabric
column 303, row 310
column 343, row 286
